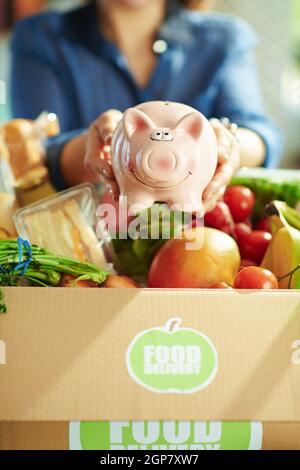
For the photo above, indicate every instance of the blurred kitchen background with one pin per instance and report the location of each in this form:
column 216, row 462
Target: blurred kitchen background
column 277, row 23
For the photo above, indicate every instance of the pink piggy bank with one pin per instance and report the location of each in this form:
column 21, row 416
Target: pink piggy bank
column 164, row 152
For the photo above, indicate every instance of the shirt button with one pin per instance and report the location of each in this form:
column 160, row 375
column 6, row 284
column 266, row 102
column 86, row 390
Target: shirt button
column 160, row 46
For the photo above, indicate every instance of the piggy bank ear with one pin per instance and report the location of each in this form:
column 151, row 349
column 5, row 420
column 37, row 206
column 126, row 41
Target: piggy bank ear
column 192, row 124
column 135, row 120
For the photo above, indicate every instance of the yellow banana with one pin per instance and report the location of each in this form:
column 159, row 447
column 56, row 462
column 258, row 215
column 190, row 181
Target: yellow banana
column 283, row 254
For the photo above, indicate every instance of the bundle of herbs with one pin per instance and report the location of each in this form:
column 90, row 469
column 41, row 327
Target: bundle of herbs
column 21, row 262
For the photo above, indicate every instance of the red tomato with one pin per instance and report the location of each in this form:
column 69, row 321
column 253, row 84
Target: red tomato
column 247, row 262
column 241, row 229
column 254, row 245
column 220, row 285
column 240, row 201
column 264, row 225
column 255, row 278
column 219, row 218
column 248, row 222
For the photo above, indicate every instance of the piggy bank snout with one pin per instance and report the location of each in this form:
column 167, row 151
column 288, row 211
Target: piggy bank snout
column 160, row 162
column 160, row 165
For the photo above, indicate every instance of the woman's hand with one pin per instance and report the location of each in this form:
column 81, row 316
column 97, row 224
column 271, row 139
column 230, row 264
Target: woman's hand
column 98, row 159
column 228, row 164
column 98, row 144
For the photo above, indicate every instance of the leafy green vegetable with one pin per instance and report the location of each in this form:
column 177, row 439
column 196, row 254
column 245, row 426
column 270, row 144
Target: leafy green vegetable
column 41, row 267
column 3, row 308
column 267, row 191
column 156, row 226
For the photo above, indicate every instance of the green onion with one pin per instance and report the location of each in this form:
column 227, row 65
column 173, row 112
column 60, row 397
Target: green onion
column 44, row 269
column 3, row 308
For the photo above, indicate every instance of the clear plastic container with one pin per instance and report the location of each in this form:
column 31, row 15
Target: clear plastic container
column 65, row 224
column 8, row 203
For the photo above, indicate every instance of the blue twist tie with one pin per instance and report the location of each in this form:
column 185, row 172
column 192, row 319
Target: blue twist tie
column 24, row 265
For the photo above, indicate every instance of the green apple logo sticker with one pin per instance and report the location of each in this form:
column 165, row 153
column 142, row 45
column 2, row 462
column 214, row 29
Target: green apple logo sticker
column 172, row 359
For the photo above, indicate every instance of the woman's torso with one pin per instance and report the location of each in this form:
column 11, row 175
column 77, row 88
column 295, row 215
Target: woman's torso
column 93, row 75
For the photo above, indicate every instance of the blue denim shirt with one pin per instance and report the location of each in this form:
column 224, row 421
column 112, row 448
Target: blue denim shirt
column 63, row 64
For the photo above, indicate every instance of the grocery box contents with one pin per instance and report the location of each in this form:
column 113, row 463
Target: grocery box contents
column 64, row 224
column 25, row 149
column 3, row 147
column 8, row 201
column 33, row 186
column 250, row 240
column 22, row 148
column 8, row 206
column 23, row 138
column 20, row 261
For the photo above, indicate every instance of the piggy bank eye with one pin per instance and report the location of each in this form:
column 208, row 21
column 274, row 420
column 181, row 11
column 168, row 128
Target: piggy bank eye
column 168, row 136
column 157, row 135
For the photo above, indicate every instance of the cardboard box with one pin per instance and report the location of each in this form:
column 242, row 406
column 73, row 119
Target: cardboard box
column 128, row 355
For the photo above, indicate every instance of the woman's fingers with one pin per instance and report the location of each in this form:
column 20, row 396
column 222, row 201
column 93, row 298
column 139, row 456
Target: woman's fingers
column 93, row 150
column 228, row 163
column 99, row 139
column 224, row 138
column 108, row 178
column 113, row 188
column 221, row 179
column 106, row 170
column 228, row 147
column 210, row 204
column 107, row 124
column 97, row 158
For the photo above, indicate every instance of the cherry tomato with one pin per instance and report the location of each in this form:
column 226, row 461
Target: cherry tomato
column 254, row 245
column 264, row 225
column 241, row 229
column 219, row 218
column 240, row 201
column 247, row 262
column 248, row 222
column 220, row 285
column 254, row 277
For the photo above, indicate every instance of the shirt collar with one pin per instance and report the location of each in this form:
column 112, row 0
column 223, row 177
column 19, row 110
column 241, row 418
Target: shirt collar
column 176, row 29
